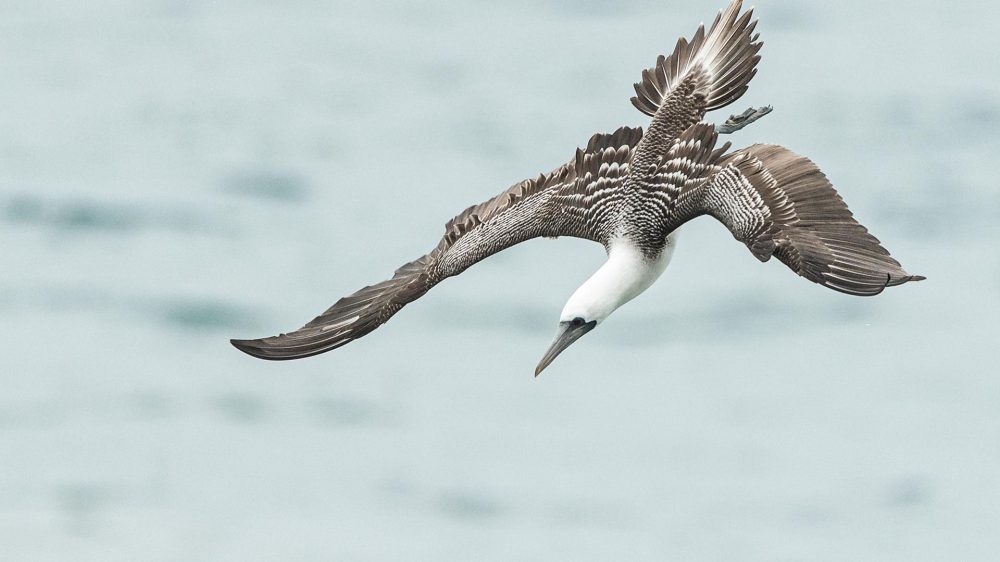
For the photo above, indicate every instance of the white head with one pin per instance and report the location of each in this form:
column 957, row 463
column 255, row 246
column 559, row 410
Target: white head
column 625, row 275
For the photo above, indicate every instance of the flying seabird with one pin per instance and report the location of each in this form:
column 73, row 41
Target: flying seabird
column 630, row 191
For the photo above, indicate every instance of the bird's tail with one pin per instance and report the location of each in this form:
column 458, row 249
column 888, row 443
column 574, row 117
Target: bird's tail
column 725, row 59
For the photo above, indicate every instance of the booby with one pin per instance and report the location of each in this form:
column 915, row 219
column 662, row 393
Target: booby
column 630, row 191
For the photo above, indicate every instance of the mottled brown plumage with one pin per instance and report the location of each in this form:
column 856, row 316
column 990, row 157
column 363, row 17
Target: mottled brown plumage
column 635, row 189
column 560, row 203
column 779, row 203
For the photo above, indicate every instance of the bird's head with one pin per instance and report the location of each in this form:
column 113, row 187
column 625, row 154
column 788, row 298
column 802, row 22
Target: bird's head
column 590, row 305
column 626, row 274
column 569, row 332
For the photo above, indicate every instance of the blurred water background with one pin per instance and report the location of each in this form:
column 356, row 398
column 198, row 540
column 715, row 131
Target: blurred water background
column 174, row 173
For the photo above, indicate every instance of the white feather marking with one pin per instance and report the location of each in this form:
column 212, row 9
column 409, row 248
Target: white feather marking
column 625, row 275
column 340, row 324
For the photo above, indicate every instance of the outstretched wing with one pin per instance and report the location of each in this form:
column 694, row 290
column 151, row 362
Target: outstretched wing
column 560, row 203
column 779, row 203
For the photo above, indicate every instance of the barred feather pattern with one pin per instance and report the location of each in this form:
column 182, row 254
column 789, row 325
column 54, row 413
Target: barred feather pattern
column 591, row 206
column 641, row 187
column 652, row 196
column 779, row 203
column 575, row 200
column 726, row 57
column 709, row 72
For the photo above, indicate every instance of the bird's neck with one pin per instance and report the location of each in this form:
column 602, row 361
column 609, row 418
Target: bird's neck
column 626, row 274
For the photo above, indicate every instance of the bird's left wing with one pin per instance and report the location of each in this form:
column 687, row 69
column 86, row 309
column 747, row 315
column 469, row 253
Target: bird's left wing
column 778, row 203
column 565, row 202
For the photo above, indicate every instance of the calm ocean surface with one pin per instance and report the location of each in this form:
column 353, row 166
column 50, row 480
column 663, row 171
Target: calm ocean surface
column 174, row 173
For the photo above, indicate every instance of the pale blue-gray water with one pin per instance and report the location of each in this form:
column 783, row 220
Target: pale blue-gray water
column 174, row 173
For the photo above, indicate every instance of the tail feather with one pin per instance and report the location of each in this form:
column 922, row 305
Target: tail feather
column 726, row 57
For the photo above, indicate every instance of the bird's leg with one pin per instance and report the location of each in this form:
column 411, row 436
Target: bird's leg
column 737, row 122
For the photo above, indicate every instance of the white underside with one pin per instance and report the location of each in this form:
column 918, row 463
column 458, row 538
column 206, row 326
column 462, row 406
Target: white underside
column 625, row 275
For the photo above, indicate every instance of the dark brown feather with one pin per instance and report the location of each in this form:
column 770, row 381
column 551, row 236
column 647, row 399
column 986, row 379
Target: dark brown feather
column 710, row 72
column 560, row 203
column 779, row 203
column 726, row 56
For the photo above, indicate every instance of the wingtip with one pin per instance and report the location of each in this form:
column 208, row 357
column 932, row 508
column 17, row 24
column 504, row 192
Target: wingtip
column 250, row 347
column 242, row 345
column 906, row 279
column 897, row 281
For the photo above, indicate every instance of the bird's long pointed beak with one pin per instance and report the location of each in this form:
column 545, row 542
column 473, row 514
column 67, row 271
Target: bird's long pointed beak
column 569, row 332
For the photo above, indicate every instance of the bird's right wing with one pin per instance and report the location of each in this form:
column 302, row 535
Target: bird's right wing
column 569, row 201
column 779, row 203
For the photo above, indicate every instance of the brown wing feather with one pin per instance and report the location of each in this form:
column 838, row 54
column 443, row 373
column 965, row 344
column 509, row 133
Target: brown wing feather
column 779, row 203
column 559, row 203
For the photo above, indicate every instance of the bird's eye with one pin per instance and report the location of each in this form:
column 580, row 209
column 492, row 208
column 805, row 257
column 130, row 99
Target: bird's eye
column 578, row 321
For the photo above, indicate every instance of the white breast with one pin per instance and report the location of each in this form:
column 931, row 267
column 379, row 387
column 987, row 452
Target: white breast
column 625, row 275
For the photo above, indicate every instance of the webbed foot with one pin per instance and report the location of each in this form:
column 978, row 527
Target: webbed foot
column 737, row 122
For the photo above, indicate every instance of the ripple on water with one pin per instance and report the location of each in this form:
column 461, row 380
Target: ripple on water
column 270, row 185
column 468, row 505
column 344, row 411
column 240, row 408
column 205, row 315
column 82, row 215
